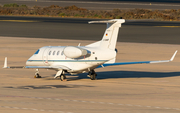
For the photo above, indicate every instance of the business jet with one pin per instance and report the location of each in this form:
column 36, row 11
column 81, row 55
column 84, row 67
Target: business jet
column 81, row 59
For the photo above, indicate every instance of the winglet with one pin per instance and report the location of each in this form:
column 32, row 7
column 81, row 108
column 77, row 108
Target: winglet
column 5, row 63
column 79, row 44
column 172, row 58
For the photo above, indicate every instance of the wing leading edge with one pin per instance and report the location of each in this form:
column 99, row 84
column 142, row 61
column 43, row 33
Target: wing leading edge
column 36, row 67
column 139, row 62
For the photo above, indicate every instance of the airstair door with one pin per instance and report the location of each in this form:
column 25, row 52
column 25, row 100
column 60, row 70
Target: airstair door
column 45, row 56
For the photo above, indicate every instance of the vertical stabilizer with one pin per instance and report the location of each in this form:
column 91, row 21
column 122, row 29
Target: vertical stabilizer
column 111, row 33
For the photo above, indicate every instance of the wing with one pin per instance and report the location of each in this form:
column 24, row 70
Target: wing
column 48, row 67
column 140, row 62
column 36, row 67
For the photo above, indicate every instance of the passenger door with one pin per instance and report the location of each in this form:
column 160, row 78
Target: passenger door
column 45, row 56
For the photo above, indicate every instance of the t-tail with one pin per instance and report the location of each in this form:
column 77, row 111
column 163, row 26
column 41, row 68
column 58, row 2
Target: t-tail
column 111, row 33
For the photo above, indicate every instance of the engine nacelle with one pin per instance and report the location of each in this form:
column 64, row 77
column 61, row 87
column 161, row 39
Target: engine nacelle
column 75, row 52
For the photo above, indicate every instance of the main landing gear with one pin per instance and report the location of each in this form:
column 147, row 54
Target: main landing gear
column 92, row 74
column 61, row 75
column 37, row 74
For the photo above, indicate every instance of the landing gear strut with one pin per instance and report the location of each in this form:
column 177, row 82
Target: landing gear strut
column 61, row 75
column 37, row 74
column 92, row 74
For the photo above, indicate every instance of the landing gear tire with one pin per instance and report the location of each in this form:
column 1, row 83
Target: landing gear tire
column 62, row 77
column 93, row 76
column 37, row 75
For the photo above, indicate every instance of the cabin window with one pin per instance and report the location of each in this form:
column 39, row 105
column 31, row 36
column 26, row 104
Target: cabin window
column 49, row 52
column 95, row 58
column 58, row 53
column 62, row 53
column 37, row 52
column 54, row 52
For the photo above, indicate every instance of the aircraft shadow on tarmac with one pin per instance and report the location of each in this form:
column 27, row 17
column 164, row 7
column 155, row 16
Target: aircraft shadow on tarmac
column 119, row 74
column 47, row 86
column 101, row 76
column 131, row 74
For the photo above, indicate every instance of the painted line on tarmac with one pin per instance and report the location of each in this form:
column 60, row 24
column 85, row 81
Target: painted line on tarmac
column 18, row 21
column 168, row 26
column 33, row 109
column 130, row 105
column 93, row 102
column 25, row 103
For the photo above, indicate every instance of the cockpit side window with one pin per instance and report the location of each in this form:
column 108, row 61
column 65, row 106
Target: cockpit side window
column 37, row 52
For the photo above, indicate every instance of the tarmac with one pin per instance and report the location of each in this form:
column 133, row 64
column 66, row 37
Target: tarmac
column 141, row 88
column 139, row 31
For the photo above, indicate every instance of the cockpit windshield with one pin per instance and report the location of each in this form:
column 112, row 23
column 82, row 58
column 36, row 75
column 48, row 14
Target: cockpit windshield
column 37, row 52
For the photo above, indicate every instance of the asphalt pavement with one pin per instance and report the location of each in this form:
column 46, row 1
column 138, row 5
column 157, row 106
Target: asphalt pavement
column 118, row 89
column 141, row 88
column 140, row 31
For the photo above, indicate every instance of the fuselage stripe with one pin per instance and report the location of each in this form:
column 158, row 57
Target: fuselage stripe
column 67, row 60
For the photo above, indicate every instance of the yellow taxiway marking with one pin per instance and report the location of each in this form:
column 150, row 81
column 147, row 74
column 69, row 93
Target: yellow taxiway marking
column 166, row 26
column 18, row 21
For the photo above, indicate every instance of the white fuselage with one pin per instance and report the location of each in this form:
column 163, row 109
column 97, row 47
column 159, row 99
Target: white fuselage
column 54, row 56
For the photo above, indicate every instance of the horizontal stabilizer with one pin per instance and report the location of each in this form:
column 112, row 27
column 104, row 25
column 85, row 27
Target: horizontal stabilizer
column 108, row 21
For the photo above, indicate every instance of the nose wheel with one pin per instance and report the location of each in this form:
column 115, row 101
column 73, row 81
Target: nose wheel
column 37, row 74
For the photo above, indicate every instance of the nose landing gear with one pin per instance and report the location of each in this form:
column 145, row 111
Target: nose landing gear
column 37, row 74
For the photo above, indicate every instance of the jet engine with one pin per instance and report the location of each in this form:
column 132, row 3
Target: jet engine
column 75, row 52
